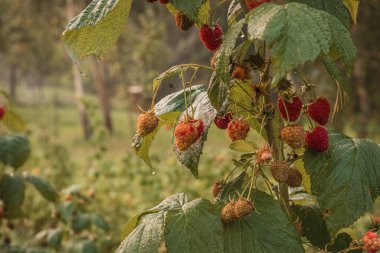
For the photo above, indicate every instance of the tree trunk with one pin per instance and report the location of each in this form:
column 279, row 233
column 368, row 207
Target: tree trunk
column 78, row 85
column 363, row 99
column 13, row 81
column 100, row 80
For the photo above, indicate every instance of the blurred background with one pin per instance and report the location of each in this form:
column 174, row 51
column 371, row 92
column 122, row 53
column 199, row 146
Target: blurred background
column 81, row 125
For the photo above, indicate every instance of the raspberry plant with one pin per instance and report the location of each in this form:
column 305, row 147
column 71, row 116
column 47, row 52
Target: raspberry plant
column 327, row 180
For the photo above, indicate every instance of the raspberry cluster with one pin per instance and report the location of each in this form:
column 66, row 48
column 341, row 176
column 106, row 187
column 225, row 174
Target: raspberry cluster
column 283, row 173
column 236, row 210
column 371, row 243
column 211, row 36
column 252, row 4
column 187, row 132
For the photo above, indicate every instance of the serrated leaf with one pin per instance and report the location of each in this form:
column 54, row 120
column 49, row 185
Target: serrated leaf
column 345, row 179
column 243, row 146
column 14, row 122
column 342, row 242
column 297, row 33
column 334, row 7
column 268, row 230
column 147, row 234
column 96, row 28
column 353, row 7
column 217, row 92
column 229, row 40
column 194, row 228
column 14, row 150
column 191, row 9
column 201, row 109
column 306, row 184
column 335, row 73
column 313, row 225
column 43, row 186
column 12, row 193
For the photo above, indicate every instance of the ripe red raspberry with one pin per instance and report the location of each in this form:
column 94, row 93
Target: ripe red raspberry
column 243, row 207
column 211, row 36
column 251, row 4
column 371, row 243
column 2, row 112
column 318, row 139
column 294, row 136
column 319, row 110
column 280, row 171
column 187, row 133
column 222, row 121
column 294, row 179
column 183, row 22
column 164, row 1
column 146, row 123
column 228, row 213
column 238, row 129
column 291, row 108
column 239, row 73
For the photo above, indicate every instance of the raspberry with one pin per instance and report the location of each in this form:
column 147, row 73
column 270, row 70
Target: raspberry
column 371, row 243
column 264, row 155
column 318, row 139
column 294, row 136
column 239, row 73
column 211, row 36
column 319, row 110
column 216, row 187
column 280, row 171
column 291, row 108
column 164, row 1
column 251, row 4
column 238, row 129
column 146, row 123
column 228, row 213
column 222, row 121
column 187, row 133
column 2, row 112
column 183, row 22
column 243, row 207
column 294, row 178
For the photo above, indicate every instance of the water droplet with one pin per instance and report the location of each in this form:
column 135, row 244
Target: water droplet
column 154, row 173
column 242, row 36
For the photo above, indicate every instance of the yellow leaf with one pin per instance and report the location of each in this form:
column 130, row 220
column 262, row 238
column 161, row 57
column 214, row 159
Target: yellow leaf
column 353, row 7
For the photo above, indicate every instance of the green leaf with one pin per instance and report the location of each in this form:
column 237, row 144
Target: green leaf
column 14, row 150
column 172, row 72
column 85, row 246
column 231, row 187
column 100, row 222
column 192, row 9
column 267, row 230
column 234, row 10
column 14, row 122
column 222, row 67
column 297, row 33
column 43, row 186
column 334, row 7
column 145, row 236
column 217, row 92
column 342, row 242
column 80, row 222
column 353, row 7
column 243, row 146
column 12, row 193
column 201, row 109
column 313, row 225
column 345, row 179
column 96, row 28
column 335, row 73
column 54, row 237
column 194, row 228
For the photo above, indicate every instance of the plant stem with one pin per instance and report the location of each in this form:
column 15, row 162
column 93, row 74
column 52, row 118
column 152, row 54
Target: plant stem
column 243, row 6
